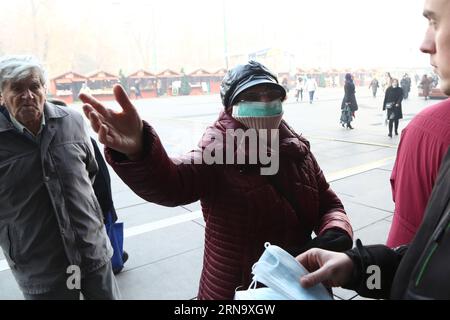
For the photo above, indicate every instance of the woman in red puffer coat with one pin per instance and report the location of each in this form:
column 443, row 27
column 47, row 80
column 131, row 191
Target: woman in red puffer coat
column 243, row 207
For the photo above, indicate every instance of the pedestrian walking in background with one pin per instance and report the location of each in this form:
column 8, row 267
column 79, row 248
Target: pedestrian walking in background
column 405, row 84
column 299, row 88
column 417, row 79
column 426, row 84
column 137, row 86
column 393, row 105
column 374, row 85
column 387, row 82
column 311, row 87
column 285, row 84
column 349, row 105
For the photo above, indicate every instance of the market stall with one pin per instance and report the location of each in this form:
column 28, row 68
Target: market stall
column 100, row 85
column 67, row 86
column 168, row 82
column 143, row 81
column 216, row 80
column 200, row 81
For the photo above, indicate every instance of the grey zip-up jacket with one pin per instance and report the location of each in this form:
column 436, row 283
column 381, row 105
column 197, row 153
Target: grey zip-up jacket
column 50, row 218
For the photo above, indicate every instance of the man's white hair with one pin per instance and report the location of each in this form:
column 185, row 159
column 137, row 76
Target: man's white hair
column 16, row 68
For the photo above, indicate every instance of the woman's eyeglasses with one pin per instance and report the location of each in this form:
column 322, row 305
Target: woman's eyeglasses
column 271, row 94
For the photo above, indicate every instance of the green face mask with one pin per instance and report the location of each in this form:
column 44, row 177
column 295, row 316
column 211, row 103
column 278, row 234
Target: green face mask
column 258, row 109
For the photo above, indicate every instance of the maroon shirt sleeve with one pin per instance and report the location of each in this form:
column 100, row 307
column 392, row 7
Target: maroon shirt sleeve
column 422, row 148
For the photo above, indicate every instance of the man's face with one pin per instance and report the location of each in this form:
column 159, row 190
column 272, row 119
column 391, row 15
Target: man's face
column 437, row 39
column 25, row 99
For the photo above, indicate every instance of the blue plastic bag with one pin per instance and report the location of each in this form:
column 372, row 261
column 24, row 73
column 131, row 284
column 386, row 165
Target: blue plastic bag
column 115, row 234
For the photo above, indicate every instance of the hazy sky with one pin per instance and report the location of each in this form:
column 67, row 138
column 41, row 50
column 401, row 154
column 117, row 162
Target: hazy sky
column 191, row 34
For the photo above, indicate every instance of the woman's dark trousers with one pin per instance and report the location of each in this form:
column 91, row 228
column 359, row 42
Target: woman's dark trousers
column 391, row 124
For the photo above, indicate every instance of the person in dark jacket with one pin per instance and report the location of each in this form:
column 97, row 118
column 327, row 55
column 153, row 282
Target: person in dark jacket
column 415, row 271
column 374, row 85
column 426, row 84
column 405, row 84
column 393, row 104
column 349, row 105
column 102, row 190
column 243, row 205
column 51, row 231
column 418, row 270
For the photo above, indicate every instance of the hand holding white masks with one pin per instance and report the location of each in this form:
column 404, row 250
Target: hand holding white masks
column 333, row 269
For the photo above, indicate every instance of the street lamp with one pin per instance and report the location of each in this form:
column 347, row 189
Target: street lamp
column 225, row 40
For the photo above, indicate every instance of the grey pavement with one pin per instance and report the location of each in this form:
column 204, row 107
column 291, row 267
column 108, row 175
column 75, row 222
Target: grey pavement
column 165, row 245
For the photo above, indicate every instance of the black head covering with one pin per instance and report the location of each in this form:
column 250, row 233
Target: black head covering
column 244, row 77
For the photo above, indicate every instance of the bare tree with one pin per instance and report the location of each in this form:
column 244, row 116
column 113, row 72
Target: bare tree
column 35, row 4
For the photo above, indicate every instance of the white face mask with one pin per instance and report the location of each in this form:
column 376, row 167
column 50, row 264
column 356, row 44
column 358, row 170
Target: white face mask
column 280, row 272
column 259, row 115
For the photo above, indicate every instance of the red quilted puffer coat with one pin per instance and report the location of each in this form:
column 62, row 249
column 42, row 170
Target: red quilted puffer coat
column 241, row 208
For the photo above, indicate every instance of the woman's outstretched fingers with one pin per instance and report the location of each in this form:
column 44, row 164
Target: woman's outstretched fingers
column 87, row 109
column 121, row 131
column 94, row 119
column 94, row 103
column 103, row 134
column 123, row 99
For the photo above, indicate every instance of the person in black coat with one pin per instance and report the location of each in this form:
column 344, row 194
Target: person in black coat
column 418, row 270
column 349, row 105
column 405, row 83
column 374, row 85
column 102, row 187
column 393, row 104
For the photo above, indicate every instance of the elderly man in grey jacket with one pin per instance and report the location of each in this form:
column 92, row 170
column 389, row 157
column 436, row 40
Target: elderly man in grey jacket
column 51, row 225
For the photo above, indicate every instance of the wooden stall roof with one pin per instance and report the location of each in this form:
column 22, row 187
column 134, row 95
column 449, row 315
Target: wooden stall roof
column 168, row 74
column 102, row 75
column 200, row 73
column 142, row 74
column 334, row 71
column 69, row 77
column 314, row 71
column 221, row 72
